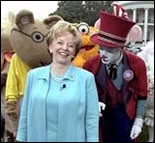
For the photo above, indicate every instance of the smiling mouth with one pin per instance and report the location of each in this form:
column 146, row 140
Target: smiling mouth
column 64, row 54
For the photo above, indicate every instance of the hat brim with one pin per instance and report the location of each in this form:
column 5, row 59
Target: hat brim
column 95, row 39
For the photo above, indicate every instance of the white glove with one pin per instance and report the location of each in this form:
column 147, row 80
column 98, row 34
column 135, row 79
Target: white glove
column 136, row 128
column 101, row 107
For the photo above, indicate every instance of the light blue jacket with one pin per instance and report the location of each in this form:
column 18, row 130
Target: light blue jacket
column 78, row 112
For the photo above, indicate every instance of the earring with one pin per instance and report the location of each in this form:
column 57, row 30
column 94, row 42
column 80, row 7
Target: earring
column 50, row 51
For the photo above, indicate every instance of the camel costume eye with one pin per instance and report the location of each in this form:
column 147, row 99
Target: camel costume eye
column 37, row 36
column 83, row 28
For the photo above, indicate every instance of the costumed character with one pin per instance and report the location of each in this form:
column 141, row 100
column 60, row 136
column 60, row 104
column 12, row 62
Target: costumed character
column 6, row 55
column 97, row 24
column 134, row 37
column 88, row 48
column 29, row 41
column 148, row 56
column 118, row 74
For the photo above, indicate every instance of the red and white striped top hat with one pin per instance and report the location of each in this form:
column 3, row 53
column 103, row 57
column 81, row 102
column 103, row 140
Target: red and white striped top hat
column 113, row 29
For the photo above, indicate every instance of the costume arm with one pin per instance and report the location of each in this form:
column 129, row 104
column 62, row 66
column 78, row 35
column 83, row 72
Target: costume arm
column 141, row 103
column 142, row 92
column 142, row 80
column 11, row 96
column 92, row 111
column 12, row 82
column 141, row 108
column 138, row 123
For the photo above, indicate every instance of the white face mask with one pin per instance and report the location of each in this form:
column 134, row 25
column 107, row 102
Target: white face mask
column 109, row 55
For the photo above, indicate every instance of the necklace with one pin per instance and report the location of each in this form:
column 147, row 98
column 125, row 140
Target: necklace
column 57, row 78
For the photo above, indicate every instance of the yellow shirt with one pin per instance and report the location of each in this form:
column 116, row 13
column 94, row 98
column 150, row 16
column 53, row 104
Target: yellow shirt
column 16, row 79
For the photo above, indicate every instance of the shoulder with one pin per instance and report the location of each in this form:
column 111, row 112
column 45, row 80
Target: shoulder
column 40, row 71
column 18, row 65
column 15, row 59
column 83, row 73
column 95, row 59
column 92, row 65
column 134, row 59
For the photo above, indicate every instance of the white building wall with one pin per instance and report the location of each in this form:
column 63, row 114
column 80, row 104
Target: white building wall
column 141, row 12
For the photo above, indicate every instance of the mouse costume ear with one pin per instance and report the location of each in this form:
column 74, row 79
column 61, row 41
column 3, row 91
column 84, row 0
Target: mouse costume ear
column 52, row 20
column 23, row 18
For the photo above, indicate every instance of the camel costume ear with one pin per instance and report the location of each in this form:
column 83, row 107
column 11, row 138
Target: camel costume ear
column 6, row 27
column 23, row 18
column 52, row 20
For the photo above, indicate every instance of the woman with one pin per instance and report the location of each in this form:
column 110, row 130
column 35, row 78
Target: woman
column 60, row 102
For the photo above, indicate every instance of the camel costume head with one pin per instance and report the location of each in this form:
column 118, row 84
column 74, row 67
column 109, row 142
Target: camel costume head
column 29, row 38
column 6, row 27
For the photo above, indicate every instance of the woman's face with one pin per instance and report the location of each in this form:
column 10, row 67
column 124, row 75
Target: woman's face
column 63, row 48
column 109, row 55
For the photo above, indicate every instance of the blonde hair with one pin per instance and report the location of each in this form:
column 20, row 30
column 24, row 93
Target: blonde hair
column 64, row 26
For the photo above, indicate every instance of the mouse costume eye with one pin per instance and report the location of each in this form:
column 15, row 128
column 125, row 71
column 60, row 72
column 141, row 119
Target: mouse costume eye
column 83, row 29
column 37, row 37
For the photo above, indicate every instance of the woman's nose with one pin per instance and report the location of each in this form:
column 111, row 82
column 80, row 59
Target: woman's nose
column 65, row 47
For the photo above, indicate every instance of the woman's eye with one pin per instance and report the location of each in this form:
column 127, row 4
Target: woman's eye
column 71, row 46
column 60, row 43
